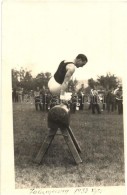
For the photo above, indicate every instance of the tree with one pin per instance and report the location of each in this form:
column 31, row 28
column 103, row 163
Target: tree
column 15, row 78
column 87, row 90
column 23, row 78
column 42, row 79
column 108, row 82
column 47, row 77
column 22, row 73
column 72, row 85
column 26, row 80
column 92, row 83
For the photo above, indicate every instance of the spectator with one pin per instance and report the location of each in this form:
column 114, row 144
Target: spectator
column 46, row 97
column 110, row 101
column 81, row 97
column 95, row 101
column 119, row 99
column 17, row 96
column 54, row 101
column 20, row 94
column 73, row 103
column 14, row 95
column 37, row 98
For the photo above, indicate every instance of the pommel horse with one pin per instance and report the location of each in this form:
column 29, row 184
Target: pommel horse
column 59, row 118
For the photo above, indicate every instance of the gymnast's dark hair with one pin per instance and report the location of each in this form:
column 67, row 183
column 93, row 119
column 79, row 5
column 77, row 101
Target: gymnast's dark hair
column 82, row 57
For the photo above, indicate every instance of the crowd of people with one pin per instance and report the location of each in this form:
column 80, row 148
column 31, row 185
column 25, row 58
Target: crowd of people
column 109, row 100
column 20, row 96
column 97, row 100
column 45, row 99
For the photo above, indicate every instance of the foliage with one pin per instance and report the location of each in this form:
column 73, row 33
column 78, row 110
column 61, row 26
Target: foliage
column 92, row 83
column 108, row 82
column 104, row 82
column 24, row 79
column 87, row 90
column 72, row 85
column 42, row 79
column 15, row 76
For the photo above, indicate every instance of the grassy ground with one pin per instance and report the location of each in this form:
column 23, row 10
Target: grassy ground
column 100, row 138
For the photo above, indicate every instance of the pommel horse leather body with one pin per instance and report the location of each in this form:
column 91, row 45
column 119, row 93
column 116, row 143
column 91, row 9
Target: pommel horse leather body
column 59, row 118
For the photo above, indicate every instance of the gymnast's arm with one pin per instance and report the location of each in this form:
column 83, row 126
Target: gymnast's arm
column 70, row 70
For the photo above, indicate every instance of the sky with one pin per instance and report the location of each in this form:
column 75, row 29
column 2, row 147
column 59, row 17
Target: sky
column 38, row 35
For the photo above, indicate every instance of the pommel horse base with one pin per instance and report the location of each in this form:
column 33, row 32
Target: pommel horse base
column 59, row 118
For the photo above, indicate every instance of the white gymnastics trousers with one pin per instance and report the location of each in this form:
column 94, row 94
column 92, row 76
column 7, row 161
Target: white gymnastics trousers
column 54, row 87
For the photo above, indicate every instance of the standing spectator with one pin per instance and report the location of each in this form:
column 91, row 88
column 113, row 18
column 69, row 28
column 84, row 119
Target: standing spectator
column 42, row 98
column 73, row 103
column 14, row 95
column 31, row 96
column 81, row 97
column 119, row 99
column 80, row 100
column 110, row 100
column 95, row 101
column 48, row 99
column 23, row 94
column 104, row 100
column 89, row 101
column 54, row 101
column 37, row 98
column 20, row 94
column 45, row 100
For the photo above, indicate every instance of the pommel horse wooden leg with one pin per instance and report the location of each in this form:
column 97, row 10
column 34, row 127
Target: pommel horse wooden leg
column 71, row 145
column 47, row 141
column 58, row 117
column 74, row 139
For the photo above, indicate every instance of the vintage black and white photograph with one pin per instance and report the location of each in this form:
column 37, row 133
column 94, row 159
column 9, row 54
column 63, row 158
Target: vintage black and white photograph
column 66, row 65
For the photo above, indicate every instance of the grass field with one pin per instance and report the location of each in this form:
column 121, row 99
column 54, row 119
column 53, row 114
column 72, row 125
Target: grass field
column 99, row 136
